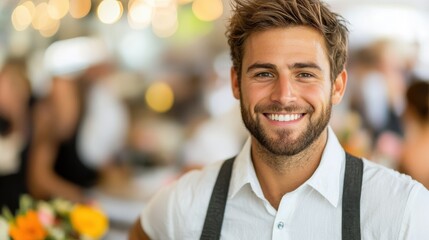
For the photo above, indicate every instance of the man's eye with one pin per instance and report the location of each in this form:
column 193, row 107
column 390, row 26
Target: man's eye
column 305, row 75
column 264, row 75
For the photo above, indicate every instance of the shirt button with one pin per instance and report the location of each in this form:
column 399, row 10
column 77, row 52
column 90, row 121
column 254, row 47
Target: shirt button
column 280, row 225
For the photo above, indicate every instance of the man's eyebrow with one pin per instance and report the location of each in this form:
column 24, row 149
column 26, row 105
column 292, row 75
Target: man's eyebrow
column 261, row 65
column 297, row 65
column 305, row 65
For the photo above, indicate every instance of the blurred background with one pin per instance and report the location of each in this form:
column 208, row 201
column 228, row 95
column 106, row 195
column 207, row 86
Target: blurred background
column 107, row 101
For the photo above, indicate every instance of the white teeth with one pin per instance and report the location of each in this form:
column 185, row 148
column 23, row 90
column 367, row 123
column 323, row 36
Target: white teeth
column 284, row 117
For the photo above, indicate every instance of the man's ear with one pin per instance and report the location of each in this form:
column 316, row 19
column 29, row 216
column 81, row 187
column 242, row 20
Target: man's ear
column 235, row 83
column 339, row 87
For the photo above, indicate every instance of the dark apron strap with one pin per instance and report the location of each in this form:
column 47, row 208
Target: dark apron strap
column 214, row 217
column 352, row 189
column 350, row 209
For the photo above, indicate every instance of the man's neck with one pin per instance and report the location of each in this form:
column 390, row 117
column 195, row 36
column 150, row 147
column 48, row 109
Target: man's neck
column 279, row 175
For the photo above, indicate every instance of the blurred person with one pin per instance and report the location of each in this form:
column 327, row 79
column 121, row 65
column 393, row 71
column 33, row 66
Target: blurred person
column 368, row 91
column 105, row 108
column 415, row 151
column 378, row 86
column 292, row 178
column 55, row 169
column 15, row 131
column 79, row 131
column 377, row 94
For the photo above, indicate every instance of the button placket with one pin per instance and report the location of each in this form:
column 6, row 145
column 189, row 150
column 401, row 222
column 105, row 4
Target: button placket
column 280, row 230
column 280, row 225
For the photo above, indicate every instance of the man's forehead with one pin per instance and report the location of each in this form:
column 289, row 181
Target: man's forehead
column 299, row 41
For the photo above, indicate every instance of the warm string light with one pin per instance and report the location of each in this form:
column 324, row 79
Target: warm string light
column 44, row 17
column 57, row 9
column 44, row 23
column 207, row 10
column 164, row 20
column 109, row 11
column 22, row 16
column 139, row 14
column 161, row 15
column 79, row 8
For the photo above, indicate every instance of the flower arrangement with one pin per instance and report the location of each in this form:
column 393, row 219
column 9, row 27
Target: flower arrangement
column 57, row 219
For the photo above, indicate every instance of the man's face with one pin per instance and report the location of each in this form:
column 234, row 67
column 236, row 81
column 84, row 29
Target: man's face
column 285, row 92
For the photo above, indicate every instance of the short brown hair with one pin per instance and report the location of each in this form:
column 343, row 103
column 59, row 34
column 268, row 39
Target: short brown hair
column 251, row 16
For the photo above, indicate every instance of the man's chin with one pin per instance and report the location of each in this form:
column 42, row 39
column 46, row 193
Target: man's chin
column 284, row 150
column 283, row 136
column 277, row 145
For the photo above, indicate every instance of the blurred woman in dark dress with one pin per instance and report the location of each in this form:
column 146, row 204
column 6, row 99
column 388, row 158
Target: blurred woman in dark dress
column 55, row 167
column 73, row 151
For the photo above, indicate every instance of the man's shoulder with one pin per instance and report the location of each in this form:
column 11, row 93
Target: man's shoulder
column 378, row 176
column 384, row 188
column 181, row 205
column 391, row 200
column 201, row 178
column 193, row 187
column 387, row 183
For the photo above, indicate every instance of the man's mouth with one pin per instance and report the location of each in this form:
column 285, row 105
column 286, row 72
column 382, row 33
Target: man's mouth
column 284, row 117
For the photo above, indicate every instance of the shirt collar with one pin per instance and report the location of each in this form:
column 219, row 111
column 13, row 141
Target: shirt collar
column 325, row 180
column 244, row 172
column 327, row 177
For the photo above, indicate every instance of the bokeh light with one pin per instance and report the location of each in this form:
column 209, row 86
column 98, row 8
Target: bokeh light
column 50, row 28
column 160, row 3
column 164, row 21
column 57, row 9
column 30, row 6
column 21, row 17
column 207, row 10
column 139, row 14
column 109, row 11
column 160, row 97
column 40, row 18
column 79, row 8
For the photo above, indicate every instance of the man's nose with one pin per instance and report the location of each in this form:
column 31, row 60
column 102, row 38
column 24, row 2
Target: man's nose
column 283, row 90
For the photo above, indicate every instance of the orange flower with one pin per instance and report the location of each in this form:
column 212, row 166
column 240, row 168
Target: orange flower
column 89, row 221
column 27, row 227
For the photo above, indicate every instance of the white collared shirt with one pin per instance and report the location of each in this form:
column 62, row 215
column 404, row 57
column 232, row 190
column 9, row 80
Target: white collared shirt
column 393, row 206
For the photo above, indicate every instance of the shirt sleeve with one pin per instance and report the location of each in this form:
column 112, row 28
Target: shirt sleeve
column 178, row 210
column 416, row 219
column 156, row 216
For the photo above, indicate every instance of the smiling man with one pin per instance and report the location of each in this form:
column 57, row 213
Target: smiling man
column 292, row 179
column 286, row 98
